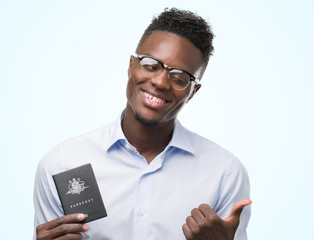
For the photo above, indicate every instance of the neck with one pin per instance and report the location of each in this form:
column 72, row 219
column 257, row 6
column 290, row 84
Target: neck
column 148, row 140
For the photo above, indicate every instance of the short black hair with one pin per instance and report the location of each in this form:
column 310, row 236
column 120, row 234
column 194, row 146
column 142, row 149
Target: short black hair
column 185, row 24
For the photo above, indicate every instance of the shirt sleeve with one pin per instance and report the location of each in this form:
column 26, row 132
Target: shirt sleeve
column 47, row 205
column 234, row 188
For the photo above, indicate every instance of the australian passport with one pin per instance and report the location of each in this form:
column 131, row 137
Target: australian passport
column 79, row 193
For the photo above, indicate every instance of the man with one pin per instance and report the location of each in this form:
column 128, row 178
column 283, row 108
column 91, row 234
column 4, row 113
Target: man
column 157, row 179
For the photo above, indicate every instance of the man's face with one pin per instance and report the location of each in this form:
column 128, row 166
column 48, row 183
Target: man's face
column 152, row 100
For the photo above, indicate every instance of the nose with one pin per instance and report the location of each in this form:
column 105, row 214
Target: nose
column 161, row 81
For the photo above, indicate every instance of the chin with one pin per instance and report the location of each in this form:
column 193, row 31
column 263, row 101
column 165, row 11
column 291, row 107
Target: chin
column 145, row 122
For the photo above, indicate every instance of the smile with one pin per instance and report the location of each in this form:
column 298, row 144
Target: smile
column 154, row 99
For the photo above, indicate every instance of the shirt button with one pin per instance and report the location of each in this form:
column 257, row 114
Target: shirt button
column 142, row 212
column 127, row 146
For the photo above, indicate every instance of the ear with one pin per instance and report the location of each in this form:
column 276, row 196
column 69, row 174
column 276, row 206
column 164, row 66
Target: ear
column 195, row 89
column 130, row 65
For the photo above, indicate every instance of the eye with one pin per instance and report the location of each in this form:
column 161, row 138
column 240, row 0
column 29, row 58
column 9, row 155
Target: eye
column 150, row 65
column 179, row 77
column 180, row 80
column 150, row 68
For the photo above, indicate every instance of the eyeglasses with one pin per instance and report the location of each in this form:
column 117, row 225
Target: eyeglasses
column 151, row 68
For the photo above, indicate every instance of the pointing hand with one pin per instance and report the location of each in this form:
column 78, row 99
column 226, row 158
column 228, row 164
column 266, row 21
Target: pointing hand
column 205, row 224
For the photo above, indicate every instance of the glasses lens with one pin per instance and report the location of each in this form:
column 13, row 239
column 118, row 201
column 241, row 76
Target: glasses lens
column 150, row 67
column 179, row 79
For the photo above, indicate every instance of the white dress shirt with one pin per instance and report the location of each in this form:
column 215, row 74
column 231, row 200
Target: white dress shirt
column 146, row 201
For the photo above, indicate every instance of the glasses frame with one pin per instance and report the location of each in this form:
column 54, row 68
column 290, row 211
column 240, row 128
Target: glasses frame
column 192, row 78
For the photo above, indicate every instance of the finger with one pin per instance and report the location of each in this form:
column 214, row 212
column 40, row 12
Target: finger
column 192, row 224
column 66, row 229
column 72, row 236
column 207, row 211
column 187, row 232
column 197, row 215
column 235, row 214
column 72, row 218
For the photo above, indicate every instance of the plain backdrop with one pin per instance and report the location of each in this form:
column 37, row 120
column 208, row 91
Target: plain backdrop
column 63, row 71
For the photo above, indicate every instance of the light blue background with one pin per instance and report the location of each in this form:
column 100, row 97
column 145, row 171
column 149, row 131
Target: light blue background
column 63, row 71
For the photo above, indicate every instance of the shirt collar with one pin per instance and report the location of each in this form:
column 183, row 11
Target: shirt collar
column 180, row 137
column 115, row 133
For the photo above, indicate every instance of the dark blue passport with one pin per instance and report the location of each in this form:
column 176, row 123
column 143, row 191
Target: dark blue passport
column 79, row 193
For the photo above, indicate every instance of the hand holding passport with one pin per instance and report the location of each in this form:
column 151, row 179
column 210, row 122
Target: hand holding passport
column 79, row 193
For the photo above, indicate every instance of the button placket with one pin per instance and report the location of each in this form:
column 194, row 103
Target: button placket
column 141, row 209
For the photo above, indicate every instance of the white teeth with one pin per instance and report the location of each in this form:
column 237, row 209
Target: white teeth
column 154, row 99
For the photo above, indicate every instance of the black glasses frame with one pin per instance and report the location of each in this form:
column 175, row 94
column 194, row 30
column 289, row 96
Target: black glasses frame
column 192, row 78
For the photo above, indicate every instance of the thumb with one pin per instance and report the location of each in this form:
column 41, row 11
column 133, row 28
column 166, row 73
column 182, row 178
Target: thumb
column 235, row 214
